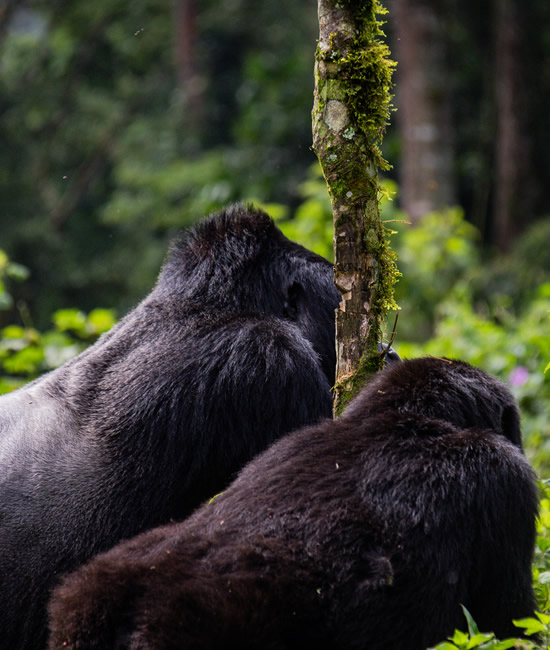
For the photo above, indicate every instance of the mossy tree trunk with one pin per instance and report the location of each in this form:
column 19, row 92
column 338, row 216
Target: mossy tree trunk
column 350, row 114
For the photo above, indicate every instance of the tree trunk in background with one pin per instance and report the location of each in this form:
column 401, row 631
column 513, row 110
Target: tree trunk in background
column 350, row 114
column 423, row 101
column 185, row 33
column 7, row 9
column 510, row 146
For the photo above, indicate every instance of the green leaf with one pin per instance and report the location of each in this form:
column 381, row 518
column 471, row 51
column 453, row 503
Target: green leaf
column 100, row 321
column 478, row 639
column 13, row 332
column 544, row 618
column 6, row 300
column 544, row 579
column 70, row 319
column 17, row 271
column 25, row 361
column 503, row 645
column 530, row 625
column 459, row 637
column 472, row 626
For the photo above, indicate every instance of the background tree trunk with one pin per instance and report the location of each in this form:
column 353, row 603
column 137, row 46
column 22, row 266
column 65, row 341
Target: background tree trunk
column 424, row 108
column 189, row 80
column 350, row 114
column 510, row 145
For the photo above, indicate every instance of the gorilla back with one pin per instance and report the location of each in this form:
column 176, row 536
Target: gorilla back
column 367, row 532
column 232, row 348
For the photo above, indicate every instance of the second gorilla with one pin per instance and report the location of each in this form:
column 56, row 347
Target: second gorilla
column 367, row 532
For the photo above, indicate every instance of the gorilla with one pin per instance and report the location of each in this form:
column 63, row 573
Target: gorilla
column 365, row 532
column 233, row 348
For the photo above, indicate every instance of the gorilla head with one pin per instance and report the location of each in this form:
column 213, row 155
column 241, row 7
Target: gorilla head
column 233, row 348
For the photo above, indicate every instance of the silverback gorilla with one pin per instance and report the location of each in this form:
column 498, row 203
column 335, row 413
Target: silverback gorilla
column 233, row 347
column 364, row 532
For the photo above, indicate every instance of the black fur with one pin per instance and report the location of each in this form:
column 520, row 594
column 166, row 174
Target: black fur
column 363, row 533
column 232, row 348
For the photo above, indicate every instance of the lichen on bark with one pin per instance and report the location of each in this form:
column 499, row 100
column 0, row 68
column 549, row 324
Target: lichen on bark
column 351, row 111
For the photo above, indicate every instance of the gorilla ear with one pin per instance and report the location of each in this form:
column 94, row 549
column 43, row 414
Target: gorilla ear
column 388, row 354
column 293, row 293
column 509, row 422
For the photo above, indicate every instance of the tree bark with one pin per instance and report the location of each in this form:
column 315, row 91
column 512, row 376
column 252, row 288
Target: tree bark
column 427, row 179
column 189, row 80
column 350, row 114
column 510, row 145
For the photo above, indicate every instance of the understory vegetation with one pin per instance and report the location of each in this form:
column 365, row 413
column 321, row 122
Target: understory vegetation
column 456, row 300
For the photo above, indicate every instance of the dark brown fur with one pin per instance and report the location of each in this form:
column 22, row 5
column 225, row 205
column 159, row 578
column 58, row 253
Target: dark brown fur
column 363, row 533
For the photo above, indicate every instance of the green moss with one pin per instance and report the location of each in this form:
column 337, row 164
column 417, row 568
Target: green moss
column 333, row 89
column 362, row 10
column 369, row 363
column 366, row 72
column 369, row 72
column 360, row 75
column 363, row 75
column 389, row 276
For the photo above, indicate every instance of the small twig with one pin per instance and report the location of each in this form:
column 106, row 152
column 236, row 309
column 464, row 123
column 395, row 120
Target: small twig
column 384, row 351
column 405, row 221
column 394, row 330
column 449, row 361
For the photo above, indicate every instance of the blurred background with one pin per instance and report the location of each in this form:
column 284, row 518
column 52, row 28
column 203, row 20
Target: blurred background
column 123, row 121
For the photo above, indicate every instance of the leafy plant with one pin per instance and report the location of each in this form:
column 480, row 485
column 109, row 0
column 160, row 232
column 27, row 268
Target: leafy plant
column 476, row 639
column 9, row 271
column 311, row 224
column 433, row 257
column 26, row 353
column 515, row 349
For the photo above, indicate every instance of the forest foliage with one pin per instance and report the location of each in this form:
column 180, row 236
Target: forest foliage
column 114, row 136
column 111, row 144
